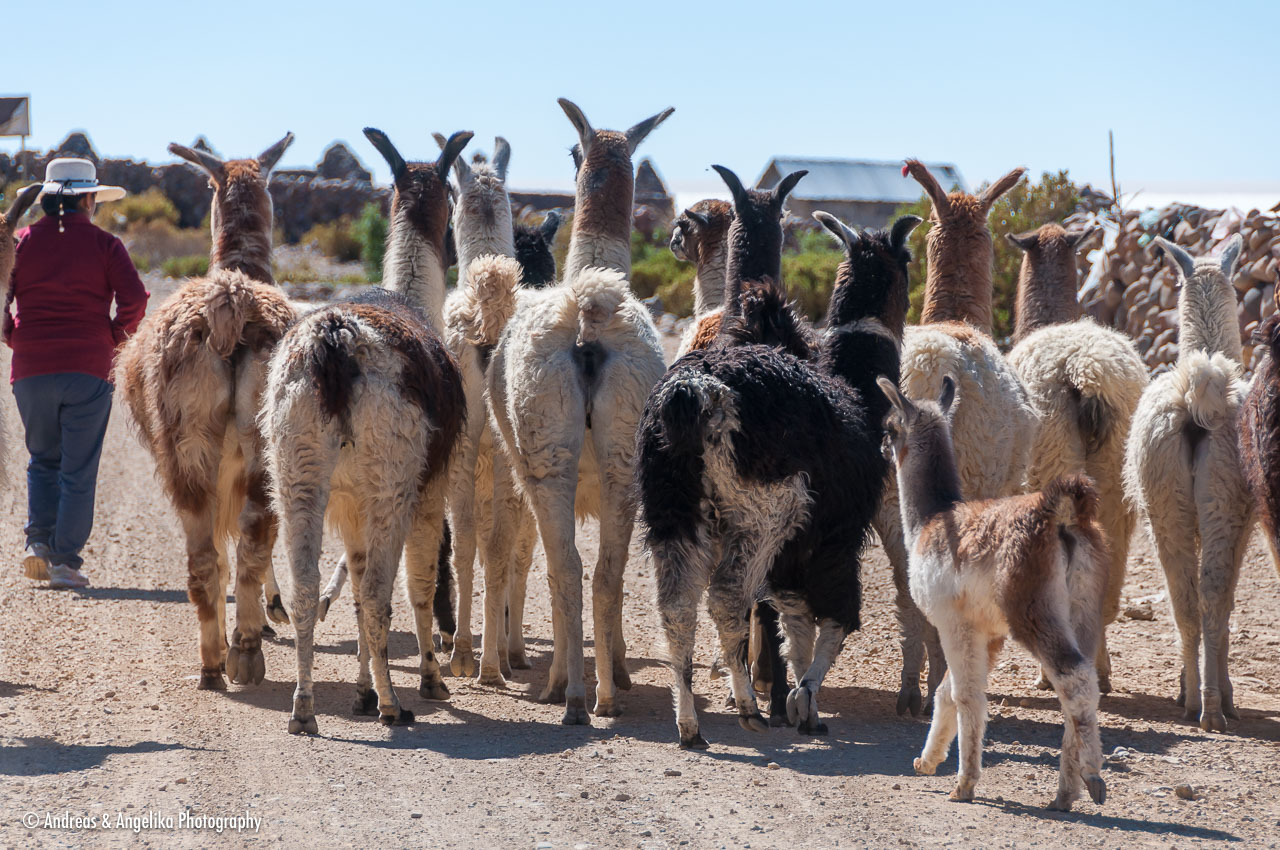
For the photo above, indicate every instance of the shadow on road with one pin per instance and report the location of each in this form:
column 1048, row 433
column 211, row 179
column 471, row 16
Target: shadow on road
column 43, row 756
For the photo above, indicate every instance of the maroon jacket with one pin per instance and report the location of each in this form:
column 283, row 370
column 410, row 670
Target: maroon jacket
column 62, row 287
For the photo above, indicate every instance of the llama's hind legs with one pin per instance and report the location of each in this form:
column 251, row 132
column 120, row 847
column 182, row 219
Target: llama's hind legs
column 463, row 521
column 366, row 702
column 771, row 654
column 421, row 557
column 499, row 554
column 302, row 532
column 375, row 622
column 967, row 660
column 276, row 612
column 207, row 590
column 917, row 634
column 616, row 522
column 680, row 572
column 1081, row 759
column 1221, row 557
column 730, row 610
column 802, row 702
column 245, row 662
column 517, row 588
column 942, row 730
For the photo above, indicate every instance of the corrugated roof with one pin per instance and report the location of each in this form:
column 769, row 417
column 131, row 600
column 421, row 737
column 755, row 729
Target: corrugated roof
column 856, row 179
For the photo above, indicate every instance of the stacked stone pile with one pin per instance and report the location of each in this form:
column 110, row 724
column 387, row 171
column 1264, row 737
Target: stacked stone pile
column 1134, row 290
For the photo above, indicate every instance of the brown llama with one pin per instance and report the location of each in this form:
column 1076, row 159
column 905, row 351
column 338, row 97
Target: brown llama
column 700, row 236
column 192, row 377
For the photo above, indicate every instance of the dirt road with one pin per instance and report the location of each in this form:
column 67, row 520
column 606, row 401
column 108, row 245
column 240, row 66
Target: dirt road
column 101, row 718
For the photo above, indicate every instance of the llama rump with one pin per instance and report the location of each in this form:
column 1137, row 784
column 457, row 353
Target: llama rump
column 758, row 474
column 1259, row 424
column 1033, row 566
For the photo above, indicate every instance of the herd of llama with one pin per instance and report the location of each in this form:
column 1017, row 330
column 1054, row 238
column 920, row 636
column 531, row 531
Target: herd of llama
column 450, row 429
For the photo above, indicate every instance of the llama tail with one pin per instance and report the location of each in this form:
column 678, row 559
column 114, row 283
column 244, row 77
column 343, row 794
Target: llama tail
column 234, row 303
column 332, row 360
column 1207, row 383
column 1073, row 500
column 597, row 295
column 491, row 283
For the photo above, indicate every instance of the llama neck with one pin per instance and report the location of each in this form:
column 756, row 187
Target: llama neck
column 1046, row 296
column 414, row 267
column 602, row 211
column 481, row 233
column 599, row 250
column 1207, row 316
column 928, row 482
column 958, row 288
column 708, row 286
column 244, row 249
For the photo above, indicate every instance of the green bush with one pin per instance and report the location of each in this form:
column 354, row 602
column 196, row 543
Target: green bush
column 150, row 206
column 370, row 231
column 195, row 265
column 810, row 277
column 336, row 239
column 151, row 243
column 1024, row 207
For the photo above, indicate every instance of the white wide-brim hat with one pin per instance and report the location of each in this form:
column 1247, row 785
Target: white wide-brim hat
column 70, row 175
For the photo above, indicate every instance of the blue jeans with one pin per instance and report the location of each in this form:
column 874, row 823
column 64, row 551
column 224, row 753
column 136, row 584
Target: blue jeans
column 65, row 416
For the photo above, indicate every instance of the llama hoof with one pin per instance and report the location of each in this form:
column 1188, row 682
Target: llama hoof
column 812, row 727
column 621, row 678
column 366, row 704
column 552, row 693
column 924, row 768
column 519, row 661
column 575, row 713
column 1213, row 721
column 402, row 718
column 909, row 699
column 607, row 708
column 433, row 689
column 716, row 670
column 730, row 703
column 1061, row 803
column 462, row 662
column 299, row 725
column 694, row 742
column 323, row 610
column 802, row 704
column 962, row 793
column 1097, row 789
column 1231, row 712
column 1104, row 683
column 246, row 667
column 504, row 666
column 492, row 678
column 445, row 642
column 1043, row 683
column 753, row 722
column 211, row 680
column 267, row 631
column 275, row 610
column 778, row 714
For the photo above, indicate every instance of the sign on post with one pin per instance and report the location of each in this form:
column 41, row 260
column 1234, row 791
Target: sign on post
column 15, row 116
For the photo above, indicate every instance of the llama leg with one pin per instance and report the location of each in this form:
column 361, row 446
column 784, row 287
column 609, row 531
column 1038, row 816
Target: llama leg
column 1221, row 556
column 462, row 521
column 681, row 571
column 334, row 588
column 1081, row 760
column 375, row 619
column 552, row 500
column 911, row 621
column 771, row 649
column 421, row 556
column 761, row 668
column 800, row 633
column 1175, row 545
column 499, row 553
column 302, row 524
column 1118, row 520
column 204, row 589
column 245, row 662
column 967, row 661
column 275, row 601
column 517, row 586
column 802, row 703
column 357, row 563
column 616, row 522
column 730, row 609
column 942, row 730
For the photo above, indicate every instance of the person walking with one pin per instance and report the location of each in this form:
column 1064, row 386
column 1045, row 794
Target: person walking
column 59, row 324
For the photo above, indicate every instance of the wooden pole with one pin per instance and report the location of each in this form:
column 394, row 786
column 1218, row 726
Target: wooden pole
column 1115, row 190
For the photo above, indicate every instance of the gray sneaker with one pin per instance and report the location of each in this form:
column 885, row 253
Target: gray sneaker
column 35, row 562
column 62, row 577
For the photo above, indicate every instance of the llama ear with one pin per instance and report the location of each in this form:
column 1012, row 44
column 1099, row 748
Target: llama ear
column 1230, row 254
column 1075, row 240
column 501, row 157
column 460, row 166
column 637, row 134
column 1185, row 265
column 697, row 218
column 891, row 391
column 735, row 185
column 785, row 185
column 549, row 226
column 205, row 161
column 902, row 228
column 1025, row 241
column 449, row 155
column 948, row 395
column 849, row 238
column 929, row 183
column 268, row 159
column 380, row 141
column 586, row 135
column 993, row 192
column 25, row 198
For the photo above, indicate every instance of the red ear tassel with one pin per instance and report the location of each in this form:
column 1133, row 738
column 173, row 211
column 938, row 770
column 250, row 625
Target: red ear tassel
column 905, row 170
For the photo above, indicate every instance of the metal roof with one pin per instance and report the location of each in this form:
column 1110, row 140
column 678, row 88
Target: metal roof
column 856, row 179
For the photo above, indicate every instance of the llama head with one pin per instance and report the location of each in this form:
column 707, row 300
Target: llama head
column 9, row 225
column 701, row 230
column 535, row 251
column 755, row 236
column 872, row 281
column 482, row 184
column 421, row 198
column 606, row 181
column 241, row 213
column 959, row 249
column 911, row 427
column 1047, row 282
column 1206, row 298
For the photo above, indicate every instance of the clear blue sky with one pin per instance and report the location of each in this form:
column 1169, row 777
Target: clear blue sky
column 1189, row 87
